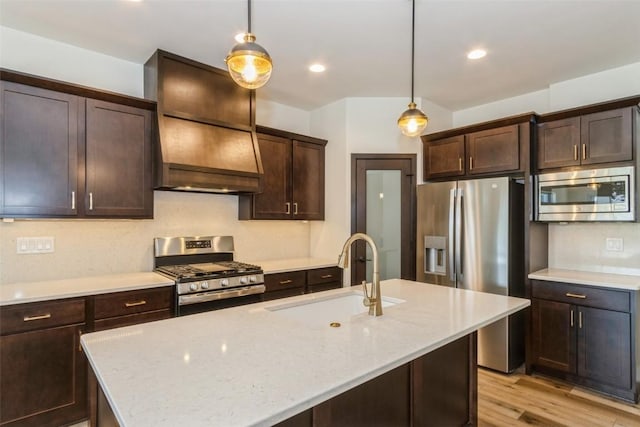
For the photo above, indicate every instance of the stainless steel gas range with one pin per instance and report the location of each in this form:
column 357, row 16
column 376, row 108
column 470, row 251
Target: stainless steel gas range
column 207, row 278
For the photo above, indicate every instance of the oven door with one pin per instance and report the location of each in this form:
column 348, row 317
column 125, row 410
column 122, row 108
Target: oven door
column 216, row 300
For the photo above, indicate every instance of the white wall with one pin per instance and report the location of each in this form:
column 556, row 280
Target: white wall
column 577, row 246
column 94, row 247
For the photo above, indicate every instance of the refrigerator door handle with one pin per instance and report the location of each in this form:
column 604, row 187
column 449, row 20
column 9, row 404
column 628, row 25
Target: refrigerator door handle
column 451, row 249
column 458, row 234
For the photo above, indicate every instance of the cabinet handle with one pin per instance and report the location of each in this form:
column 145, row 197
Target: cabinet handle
column 73, row 200
column 288, row 207
column 572, row 318
column 295, row 208
column 459, row 163
column 575, row 152
column 327, row 276
column 470, row 163
column 285, row 282
column 39, row 317
column 90, row 201
column 79, row 344
column 584, row 151
column 570, row 295
column 134, row 304
column 580, row 319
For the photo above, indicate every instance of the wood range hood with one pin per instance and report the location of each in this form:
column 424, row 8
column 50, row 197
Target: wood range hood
column 206, row 139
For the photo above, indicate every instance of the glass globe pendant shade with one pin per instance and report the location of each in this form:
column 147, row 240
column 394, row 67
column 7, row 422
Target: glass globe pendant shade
column 249, row 64
column 412, row 121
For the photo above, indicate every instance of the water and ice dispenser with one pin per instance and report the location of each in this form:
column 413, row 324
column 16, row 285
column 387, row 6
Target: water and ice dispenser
column 435, row 255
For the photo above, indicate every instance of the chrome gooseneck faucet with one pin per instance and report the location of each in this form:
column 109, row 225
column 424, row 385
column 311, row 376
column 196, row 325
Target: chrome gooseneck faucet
column 372, row 299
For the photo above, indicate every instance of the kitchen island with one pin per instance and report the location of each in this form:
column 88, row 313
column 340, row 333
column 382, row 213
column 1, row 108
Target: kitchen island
column 262, row 364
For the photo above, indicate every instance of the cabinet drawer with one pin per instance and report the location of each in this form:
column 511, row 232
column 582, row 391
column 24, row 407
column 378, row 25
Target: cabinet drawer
column 291, row 279
column 324, row 275
column 132, row 319
column 588, row 296
column 41, row 315
column 131, row 302
column 323, row 287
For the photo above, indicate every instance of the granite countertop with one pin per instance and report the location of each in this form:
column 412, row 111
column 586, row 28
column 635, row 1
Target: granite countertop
column 607, row 280
column 250, row 365
column 18, row 293
column 294, row 264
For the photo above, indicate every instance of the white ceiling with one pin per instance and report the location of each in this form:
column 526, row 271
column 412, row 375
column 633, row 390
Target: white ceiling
column 365, row 44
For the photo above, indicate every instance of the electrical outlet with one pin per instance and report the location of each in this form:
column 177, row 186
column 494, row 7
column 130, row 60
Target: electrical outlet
column 614, row 244
column 35, row 245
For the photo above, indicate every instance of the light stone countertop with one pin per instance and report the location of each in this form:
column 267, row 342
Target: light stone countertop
column 19, row 293
column 294, row 264
column 607, row 280
column 248, row 365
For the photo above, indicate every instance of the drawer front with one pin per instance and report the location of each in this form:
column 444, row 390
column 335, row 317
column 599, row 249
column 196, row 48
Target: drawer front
column 608, row 299
column 132, row 319
column 279, row 281
column 324, row 287
column 131, row 302
column 324, row 275
column 41, row 315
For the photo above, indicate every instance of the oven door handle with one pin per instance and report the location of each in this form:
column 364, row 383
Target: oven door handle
column 218, row 295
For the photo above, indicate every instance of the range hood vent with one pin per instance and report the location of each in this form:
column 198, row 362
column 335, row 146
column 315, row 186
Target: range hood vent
column 206, row 138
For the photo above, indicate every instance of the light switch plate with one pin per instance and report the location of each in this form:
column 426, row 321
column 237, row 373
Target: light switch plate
column 614, row 244
column 35, row 245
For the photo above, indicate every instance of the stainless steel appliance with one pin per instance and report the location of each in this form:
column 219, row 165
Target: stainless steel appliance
column 606, row 194
column 471, row 236
column 207, row 278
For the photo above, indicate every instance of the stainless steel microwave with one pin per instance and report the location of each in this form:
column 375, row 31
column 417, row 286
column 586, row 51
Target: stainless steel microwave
column 587, row 195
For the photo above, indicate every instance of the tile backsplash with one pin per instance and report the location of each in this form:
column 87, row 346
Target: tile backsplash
column 97, row 247
column 583, row 246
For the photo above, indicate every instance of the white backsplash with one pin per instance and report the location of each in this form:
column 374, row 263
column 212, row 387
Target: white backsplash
column 582, row 246
column 97, row 247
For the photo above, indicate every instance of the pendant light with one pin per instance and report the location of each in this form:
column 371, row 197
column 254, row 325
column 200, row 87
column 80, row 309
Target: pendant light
column 412, row 121
column 249, row 63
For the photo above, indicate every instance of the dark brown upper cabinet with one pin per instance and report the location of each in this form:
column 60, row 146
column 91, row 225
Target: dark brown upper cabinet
column 206, row 127
column 70, row 151
column 492, row 148
column 293, row 186
column 596, row 134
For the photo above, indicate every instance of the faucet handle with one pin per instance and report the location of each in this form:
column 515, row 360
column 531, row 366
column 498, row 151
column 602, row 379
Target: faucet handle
column 367, row 299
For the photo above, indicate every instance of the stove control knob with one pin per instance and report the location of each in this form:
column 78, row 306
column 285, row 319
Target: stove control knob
column 194, row 286
column 205, row 285
column 244, row 280
column 253, row 279
column 224, row 282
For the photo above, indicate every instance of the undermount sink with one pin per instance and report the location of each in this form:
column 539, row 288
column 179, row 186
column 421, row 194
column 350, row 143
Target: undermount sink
column 333, row 308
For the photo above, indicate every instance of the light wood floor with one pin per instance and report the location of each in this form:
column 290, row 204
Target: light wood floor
column 518, row 400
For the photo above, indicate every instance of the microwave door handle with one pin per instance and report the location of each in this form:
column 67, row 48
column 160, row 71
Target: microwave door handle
column 451, row 249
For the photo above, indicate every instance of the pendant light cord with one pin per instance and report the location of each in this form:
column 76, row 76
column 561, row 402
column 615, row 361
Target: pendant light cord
column 249, row 18
column 413, row 42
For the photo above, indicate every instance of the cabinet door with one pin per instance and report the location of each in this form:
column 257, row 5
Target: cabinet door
column 604, row 346
column 275, row 200
column 559, row 143
column 118, row 165
column 308, row 181
column 607, row 136
column 38, row 151
column 493, row 150
column 553, row 335
column 444, row 157
column 44, row 378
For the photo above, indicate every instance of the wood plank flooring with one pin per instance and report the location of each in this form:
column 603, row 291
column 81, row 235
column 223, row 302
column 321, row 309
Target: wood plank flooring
column 519, row 400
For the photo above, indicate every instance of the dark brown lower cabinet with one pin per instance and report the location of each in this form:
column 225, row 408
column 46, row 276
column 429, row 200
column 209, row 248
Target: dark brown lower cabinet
column 437, row 389
column 585, row 335
column 292, row 283
column 43, row 371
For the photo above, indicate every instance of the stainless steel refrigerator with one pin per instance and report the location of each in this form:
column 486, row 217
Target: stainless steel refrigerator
column 471, row 236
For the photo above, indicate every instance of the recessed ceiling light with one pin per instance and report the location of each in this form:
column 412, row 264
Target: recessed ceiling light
column 477, row 54
column 317, row 68
column 239, row 37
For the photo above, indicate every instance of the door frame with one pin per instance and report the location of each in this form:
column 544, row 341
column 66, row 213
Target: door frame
column 408, row 239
